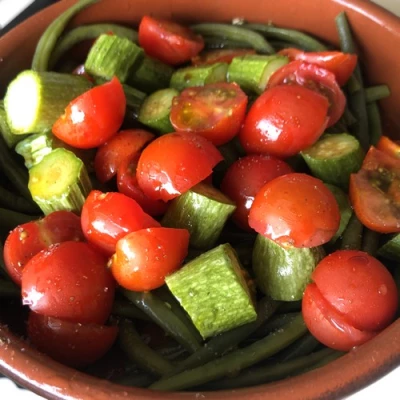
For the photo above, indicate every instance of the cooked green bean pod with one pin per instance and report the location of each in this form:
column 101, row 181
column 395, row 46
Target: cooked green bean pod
column 352, row 235
column 374, row 123
column 300, row 348
column 125, row 309
column 375, row 93
column 370, row 241
column 216, row 43
column 18, row 203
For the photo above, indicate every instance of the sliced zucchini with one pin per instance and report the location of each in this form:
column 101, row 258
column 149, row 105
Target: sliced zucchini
column 5, row 131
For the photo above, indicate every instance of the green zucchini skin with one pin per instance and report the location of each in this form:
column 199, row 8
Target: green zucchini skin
column 283, row 273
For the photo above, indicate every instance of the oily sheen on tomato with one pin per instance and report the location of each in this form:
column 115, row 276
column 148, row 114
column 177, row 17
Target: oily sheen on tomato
column 244, row 179
column 93, row 117
column 215, row 111
column 71, row 343
column 175, row 162
column 28, row 239
column 295, row 210
column 143, row 258
column 284, row 120
column 353, row 297
column 107, row 217
column 69, row 280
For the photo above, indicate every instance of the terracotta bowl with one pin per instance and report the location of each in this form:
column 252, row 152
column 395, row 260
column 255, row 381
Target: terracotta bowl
column 378, row 35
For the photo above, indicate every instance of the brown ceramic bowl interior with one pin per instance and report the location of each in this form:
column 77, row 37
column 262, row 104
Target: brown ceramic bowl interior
column 378, row 35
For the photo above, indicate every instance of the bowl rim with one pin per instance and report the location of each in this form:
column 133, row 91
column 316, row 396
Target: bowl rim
column 63, row 382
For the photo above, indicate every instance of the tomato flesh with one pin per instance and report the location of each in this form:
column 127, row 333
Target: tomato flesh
column 214, row 111
column 388, row 146
column 168, row 41
column 93, row 117
column 283, row 121
column 295, row 210
column 73, row 344
column 173, row 163
column 70, row 281
column 143, row 258
column 244, row 179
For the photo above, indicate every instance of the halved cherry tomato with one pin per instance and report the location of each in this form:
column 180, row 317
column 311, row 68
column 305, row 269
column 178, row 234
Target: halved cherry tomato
column 93, row 117
column 295, row 210
column 220, row 55
column 388, row 146
column 129, row 186
column 315, row 78
column 284, row 120
column 117, row 150
column 352, row 298
column 340, row 64
column 108, row 217
column 168, row 41
column 375, row 192
column 28, row 239
column 71, row 343
column 173, row 163
column 69, row 280
column 244, row 179
column 144, row 258
column 214, row 111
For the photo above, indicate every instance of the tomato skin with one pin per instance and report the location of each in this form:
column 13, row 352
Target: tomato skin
column 375, row 192
column 28, row 239
column 173, row 163
column 244, row 179
column 128, row 185
column 93, row 117
column 107, row 217
column 283, row 121
column 295, row 210
column 315, row 78
column 340, row 64
column 69, row 280
column 215, row 111
column 220, row 55
column 168, row 41
column 388, row 146
column 119, row 148
column 143, row 258
column 71, row 343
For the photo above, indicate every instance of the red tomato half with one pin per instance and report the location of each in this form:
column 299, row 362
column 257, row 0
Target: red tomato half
column 214, row 111
column 144, row 258
column 108, row 217
column 220, row 55
column 28, row 239
column 388, row 146
column 93, row 117
column 244, row 179
column 173, row 163
column 352, row 298
column 168, row 41
column 284, row 120
column 375, row 192
column 117, row 150
column 70, row 281
column 295, row 210
column 315, row 78
column 70, row 343
column 340, row 64
column 128, row 185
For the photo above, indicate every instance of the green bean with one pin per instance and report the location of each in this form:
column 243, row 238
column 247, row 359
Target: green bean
column 352, row 235
column 236, row 360
column 294, row 37
column 10, row 219
column 15, row 172
column 49, row 38
column 173, row 352
column 125, row 309
column 236, row 33
column 226, row 341
column 289, row 306
column 353, row 85
column 345, row 36
column 15, row 202
column 325, row 360
column 374, row 123
column 213, row 43
column 164, row 317
column 300, row 348
column 139, row 352
column 85, row 32
column 273, row 371
column 276, row 323
column 348, row 117
column 375, row 93
column 166, row 296
column 370, row 241
column 9, row 289
column 283, row 44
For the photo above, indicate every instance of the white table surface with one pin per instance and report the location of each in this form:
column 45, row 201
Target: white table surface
column 386, row 388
